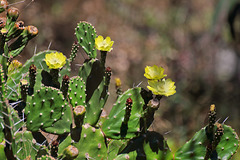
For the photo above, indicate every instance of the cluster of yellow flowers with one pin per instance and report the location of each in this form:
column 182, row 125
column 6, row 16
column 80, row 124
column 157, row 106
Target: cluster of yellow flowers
column 57, row 60
column 155, row 75
column 157, row 83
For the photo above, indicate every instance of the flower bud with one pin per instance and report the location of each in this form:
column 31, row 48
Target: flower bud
column 2, row 22
column 13, row 13
column 3, row 5
column 32, row 31
column 71, row 152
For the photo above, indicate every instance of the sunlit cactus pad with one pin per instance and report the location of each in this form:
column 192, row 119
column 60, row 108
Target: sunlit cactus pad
column 196, row 147
column 86, row 35
column 112, row 126
column 46, row 107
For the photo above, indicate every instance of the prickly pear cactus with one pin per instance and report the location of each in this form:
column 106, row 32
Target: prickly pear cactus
column 45, row 114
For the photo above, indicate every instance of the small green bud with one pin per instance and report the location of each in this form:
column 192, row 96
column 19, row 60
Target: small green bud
column 70, row 152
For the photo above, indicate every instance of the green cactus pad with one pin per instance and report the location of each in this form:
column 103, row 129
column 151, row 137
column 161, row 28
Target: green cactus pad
column 86, row 35
column 229, row 143
column 15, row 121
column 130, row 156
column 151, row 145
column 112, row 126
column 63, row 125
column 38, row 61
column 115, row 147
column 46, row 157
column 2, row 153
column 76, row 92
column 2, row 82
column 64, row 144
column 46, row 107
column 196, row 147
column 25, row 145
column 92, row 72
column 92, row 144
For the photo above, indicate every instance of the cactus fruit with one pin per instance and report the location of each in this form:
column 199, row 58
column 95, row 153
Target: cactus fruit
column 79, row 113
column 70, row 152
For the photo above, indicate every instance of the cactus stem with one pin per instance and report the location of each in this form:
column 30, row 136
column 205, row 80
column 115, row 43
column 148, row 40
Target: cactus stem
column 103, row 57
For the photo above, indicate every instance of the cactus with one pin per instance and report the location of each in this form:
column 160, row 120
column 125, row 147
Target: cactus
column 46, row 114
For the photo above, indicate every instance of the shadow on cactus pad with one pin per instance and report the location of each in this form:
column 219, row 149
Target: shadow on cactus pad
column 151, row 145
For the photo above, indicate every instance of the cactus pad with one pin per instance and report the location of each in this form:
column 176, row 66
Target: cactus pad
column 92, row 72
column 112, row 126
column 92, row 144
column 86, row 35
column 76, row 91
column 25, row 145
column 147, row 146
column 196, row 147
column 46, row 107
column 63, row 125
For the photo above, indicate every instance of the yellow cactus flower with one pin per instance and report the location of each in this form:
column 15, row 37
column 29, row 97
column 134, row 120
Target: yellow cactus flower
column 55, row 60
column 118, row 82
column 103, row 44
column 154, row 72
column 14, row 65
column 4, row 31
column 163, row 87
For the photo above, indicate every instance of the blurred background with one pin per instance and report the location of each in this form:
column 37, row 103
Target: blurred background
column 196, row 41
